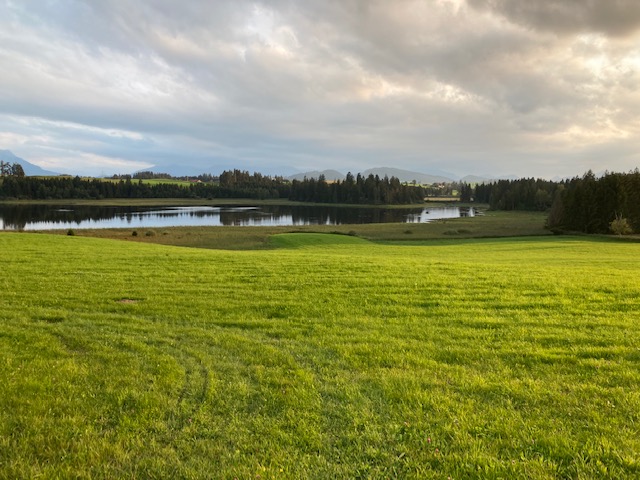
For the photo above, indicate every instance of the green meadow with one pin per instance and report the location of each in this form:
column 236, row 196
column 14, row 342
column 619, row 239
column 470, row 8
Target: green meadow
column 320, row 356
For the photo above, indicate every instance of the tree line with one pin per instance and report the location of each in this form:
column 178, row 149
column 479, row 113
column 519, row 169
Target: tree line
column 371, row 190
column 352, row 190
column 149, row 175
column 58, row 188
column 523, row 194
column 231, row 184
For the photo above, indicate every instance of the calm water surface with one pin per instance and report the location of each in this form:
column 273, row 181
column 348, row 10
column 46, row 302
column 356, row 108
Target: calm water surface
column 47, row 217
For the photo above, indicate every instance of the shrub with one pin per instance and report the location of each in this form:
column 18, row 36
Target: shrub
column 620, row 226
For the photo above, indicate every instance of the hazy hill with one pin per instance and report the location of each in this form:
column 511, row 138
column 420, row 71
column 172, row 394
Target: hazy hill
column 29, row 168
column 329, row 175
column 215, row 168
column 176, row 170
column 406, row 175
column 471, row 179
column 402, row 175
column 475, row 179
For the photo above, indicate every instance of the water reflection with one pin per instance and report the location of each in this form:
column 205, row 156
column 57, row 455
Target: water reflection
column 47, row 217
column 438, row 213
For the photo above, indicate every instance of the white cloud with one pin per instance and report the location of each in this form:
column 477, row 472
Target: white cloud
column 477, row 86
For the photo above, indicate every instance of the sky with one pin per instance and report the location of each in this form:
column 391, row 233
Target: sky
column 486, row 87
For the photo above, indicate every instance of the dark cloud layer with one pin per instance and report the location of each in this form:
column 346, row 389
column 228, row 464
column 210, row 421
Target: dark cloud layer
column 533, row 88
column 567, row 17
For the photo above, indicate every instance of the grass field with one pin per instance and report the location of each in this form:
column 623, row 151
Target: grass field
column 325, row 356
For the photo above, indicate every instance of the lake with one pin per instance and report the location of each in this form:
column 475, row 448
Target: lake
column 48, row 217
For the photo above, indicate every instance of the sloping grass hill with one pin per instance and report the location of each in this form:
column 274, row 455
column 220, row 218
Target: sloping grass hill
column 326, row 357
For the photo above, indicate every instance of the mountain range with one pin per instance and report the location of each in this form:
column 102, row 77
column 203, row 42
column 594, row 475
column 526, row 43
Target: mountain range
column 330, row 175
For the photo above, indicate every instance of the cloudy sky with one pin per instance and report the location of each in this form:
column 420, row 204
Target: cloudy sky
column 533, row 88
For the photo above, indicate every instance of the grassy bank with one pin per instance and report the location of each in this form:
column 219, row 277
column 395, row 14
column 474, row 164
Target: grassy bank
column 492, row 224
column 327, row 356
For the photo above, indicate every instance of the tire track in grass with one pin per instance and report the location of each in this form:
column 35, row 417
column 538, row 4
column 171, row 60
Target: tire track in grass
column 193, row 391
column 263, row 390
column 149, row 390
column 150, row 352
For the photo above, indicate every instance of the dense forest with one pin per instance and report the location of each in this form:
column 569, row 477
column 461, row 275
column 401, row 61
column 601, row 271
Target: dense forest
column 232, row 184
column 587, row 204
column 370, row 190
column 591, row 204
column 523, row 194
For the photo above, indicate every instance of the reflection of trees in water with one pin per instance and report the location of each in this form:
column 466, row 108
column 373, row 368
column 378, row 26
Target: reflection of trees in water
column 349, row 215
column 467, row 212
column 18, row 217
